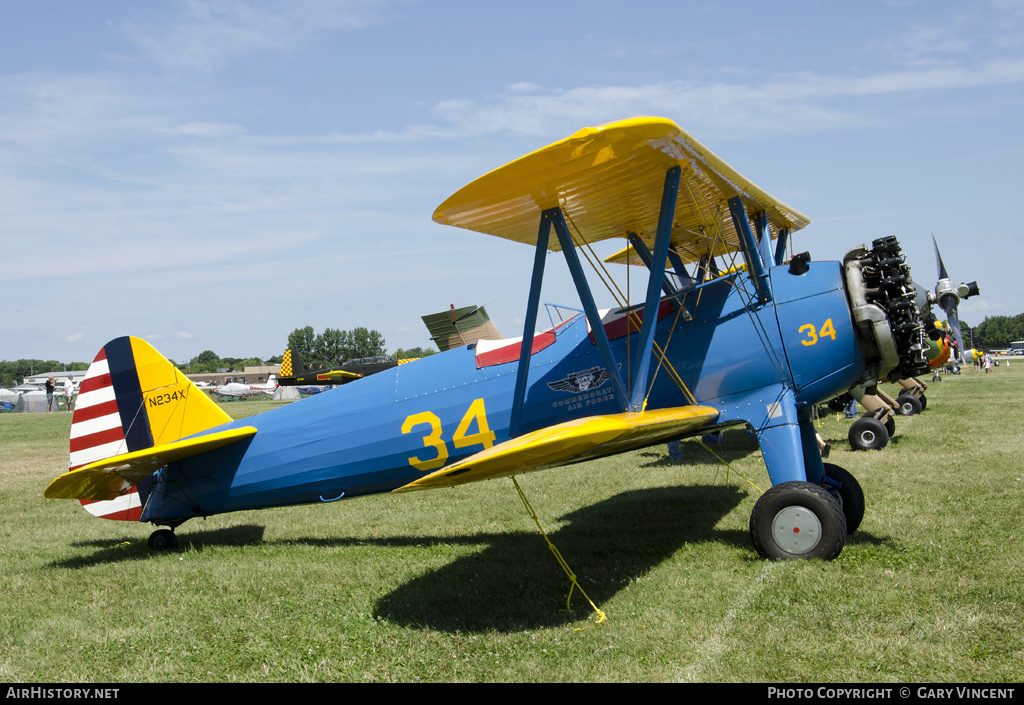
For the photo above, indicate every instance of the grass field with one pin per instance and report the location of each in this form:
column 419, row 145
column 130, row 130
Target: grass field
column 458, row 585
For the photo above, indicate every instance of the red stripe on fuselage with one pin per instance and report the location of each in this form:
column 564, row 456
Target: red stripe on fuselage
column 630, row 323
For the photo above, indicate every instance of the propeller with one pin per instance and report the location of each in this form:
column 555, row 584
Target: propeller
column 948, row 296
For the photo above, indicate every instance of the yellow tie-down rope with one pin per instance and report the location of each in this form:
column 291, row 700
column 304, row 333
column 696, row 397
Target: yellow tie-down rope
column 729, row 466
column 601, row 617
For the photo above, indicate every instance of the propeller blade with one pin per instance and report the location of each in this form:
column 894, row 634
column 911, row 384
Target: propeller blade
column 938, row 261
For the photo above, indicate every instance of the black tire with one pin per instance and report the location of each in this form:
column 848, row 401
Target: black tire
column 798, row 520
column 844, row 487
column 908, row 405
column 890, row 426
column 868, row 433
column 163, row 540
column 924, row 402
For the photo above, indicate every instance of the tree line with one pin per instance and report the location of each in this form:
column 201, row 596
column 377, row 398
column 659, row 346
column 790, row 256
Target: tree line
column 326, row 349
column 994, row 333
column 333, row 346
column 14, row 372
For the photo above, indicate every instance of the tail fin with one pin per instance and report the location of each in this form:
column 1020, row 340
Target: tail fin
column 291, row 364
column 131, row 399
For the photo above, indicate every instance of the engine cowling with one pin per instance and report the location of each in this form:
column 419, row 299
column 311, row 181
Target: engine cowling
column 882, row 302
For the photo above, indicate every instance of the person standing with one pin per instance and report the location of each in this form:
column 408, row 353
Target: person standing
column 69, row 390
column 51, row 385
column 675, row 452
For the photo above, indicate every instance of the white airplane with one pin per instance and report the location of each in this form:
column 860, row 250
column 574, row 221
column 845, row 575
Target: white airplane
column 238, row 389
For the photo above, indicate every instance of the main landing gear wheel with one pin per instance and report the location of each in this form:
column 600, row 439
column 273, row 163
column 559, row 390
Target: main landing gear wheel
column 163, row 540
column 890, row 426
column 868, row 433
column 796, row 520
column 908, row 405
column 845, row 488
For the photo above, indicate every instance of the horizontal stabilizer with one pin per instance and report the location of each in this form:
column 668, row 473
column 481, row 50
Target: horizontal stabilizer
column 110, row 478
column 571, row 442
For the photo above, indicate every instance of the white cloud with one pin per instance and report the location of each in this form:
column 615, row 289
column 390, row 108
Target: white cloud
column 205, row 129
column 784, row 103
column 524, row 87
column 206, row 34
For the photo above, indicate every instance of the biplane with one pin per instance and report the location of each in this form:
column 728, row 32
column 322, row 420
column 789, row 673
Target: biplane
column 709, row 346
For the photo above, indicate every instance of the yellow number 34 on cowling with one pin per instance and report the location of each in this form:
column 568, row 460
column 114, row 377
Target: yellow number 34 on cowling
column 813, row 336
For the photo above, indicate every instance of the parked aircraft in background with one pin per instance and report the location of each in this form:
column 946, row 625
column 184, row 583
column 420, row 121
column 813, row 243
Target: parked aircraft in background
column 294, row 373
column 239, row 389
column 460, row 326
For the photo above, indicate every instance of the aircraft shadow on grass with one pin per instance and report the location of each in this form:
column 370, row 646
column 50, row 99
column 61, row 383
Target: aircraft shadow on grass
column 514, row 584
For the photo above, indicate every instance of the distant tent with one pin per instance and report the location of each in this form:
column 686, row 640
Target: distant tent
column 286, row 394
column 8, row 399
column 21, row 388
column 33, row 401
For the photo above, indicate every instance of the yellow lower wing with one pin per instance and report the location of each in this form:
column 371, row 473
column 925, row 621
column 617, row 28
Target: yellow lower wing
column 570, row 442
column 110, row 478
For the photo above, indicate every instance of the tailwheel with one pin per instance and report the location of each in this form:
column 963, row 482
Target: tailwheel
column 868, row 433
column 845, row 488
column 796, row 520
column 163, row 540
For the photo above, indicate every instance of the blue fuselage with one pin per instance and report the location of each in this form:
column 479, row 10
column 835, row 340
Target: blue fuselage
column 755, row 364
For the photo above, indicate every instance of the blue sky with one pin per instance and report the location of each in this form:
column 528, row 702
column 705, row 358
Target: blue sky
column 212, row 175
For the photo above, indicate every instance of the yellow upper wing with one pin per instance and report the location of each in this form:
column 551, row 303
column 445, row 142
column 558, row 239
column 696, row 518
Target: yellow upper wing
column 608, row 182
column 570, row 442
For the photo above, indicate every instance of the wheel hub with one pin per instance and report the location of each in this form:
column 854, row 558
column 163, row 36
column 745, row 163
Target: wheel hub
column 796, row 530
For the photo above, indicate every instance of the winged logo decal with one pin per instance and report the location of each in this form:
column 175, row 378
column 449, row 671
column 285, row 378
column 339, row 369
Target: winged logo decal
column 581, row 381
